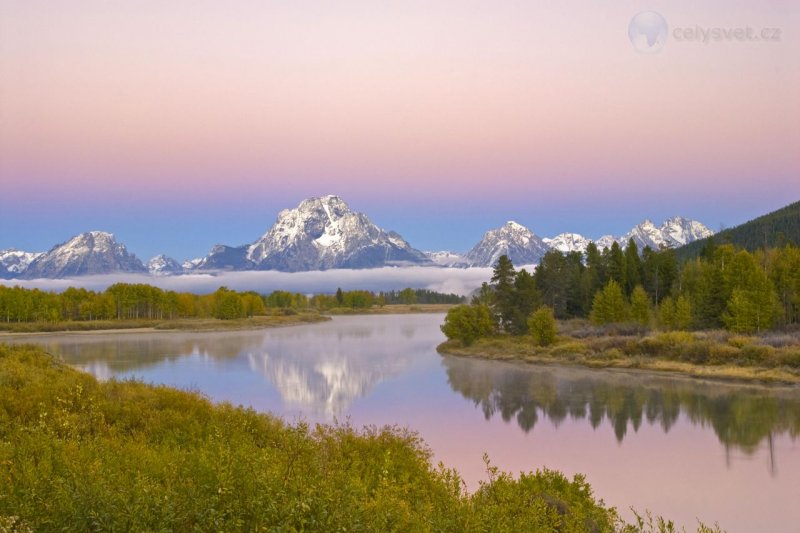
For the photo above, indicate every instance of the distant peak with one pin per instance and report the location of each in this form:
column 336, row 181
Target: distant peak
column 96, row 235
column 514, row 224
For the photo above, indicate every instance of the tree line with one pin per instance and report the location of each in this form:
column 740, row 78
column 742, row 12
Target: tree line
column 724, row 287
column 125, row 301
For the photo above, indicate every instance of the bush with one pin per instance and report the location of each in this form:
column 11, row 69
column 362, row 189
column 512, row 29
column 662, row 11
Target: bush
column 78, row 455
column 542, row 326
column 468, row 323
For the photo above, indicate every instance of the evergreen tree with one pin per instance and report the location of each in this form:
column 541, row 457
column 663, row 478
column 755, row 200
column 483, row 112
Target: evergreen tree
column 666, row 313
column 552, row 281
column 682, row 319
column 339, row 297
column 593, row 276
column 640, row 306
column 633, row 267
column 616, row 264
column 526, row 300
column 608, row 306
column 504, row 293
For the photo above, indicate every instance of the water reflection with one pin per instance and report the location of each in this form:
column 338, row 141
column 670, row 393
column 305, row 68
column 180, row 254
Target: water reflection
column 320, row 369
column 741, row 417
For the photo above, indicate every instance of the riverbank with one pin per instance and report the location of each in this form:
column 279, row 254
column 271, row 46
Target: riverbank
column 392, row 309
column 183, row 324
column 711, row 355
column 126, row 455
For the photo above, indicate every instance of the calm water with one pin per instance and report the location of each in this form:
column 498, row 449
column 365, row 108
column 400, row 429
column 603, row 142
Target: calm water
column 679, row 447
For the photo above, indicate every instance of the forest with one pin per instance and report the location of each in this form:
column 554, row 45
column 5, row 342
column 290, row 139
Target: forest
column 724, row 287
column 124, row 301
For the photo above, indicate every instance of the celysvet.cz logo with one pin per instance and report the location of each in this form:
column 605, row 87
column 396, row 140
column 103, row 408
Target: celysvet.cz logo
column 649, row 31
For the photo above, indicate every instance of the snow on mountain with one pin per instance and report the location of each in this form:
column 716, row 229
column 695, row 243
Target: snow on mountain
column 678, row 231
column 222, row 257
column 568, row 242
column 14, row 262
column 161, row 265
column 606, row 241
column 445, row 258
column 191, row 264
column 94, row 252
column 323, row 233
column 516, row 241
column 672, row 233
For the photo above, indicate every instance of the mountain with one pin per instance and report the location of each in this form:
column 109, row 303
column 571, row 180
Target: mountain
column 516, row 241
column 324, row 233
column 568, row 242
column 161, row 265
column 524, row 247
column 674, row 232
column 777, row 228
column 445, row 258
column 222, row 257
column 606, row 241
column 14, row 262
column 94, row 252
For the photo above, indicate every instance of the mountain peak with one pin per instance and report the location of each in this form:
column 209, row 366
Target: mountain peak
column 92, row 252
column 516, row 241
column 162, row 265
column 319, row 234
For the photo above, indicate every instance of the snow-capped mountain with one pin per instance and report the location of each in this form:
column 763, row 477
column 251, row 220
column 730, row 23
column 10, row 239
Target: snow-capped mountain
column 568, row 242
column 323, row 233
column 672, row 233
column 191, row 264
column 222, row 257
column 678, row 231
column 14, row 262
column 161, row 265
column 94, row 252
column 445, row 258
column 516, row 241
column 606, row 241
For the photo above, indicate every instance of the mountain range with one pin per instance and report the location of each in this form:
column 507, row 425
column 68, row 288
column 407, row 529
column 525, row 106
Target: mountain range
column 324, row 233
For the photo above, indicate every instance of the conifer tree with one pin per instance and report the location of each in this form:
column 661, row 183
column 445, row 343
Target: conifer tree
column 633, row 267
column 503, row 284
column 640, row 306
column 608, row 306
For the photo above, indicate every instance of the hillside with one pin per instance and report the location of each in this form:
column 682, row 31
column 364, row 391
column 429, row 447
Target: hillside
column 778, row 228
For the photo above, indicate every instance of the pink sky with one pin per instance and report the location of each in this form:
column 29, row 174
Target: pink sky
column 199, row 102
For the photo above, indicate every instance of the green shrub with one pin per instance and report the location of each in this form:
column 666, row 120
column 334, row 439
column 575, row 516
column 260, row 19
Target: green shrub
column 468, row 323
column 542, row 326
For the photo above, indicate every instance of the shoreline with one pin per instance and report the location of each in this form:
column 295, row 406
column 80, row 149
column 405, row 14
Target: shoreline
column 727, row 373
column 183, row 326
column 211, row 324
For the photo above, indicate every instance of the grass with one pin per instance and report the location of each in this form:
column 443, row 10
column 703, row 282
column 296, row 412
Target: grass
column 181, row 324
column 80, row 455
column 709, row 354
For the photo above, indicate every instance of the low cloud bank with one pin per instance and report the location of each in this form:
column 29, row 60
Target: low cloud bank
column 460, row 281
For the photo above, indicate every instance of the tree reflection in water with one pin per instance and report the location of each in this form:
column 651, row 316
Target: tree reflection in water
column 741, row 416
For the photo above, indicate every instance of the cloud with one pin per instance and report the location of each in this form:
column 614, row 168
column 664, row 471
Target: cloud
column 450, row 280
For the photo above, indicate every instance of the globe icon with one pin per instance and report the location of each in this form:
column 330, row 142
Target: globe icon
column 648, row 31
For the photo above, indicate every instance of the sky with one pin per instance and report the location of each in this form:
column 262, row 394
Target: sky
column 178, row 125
